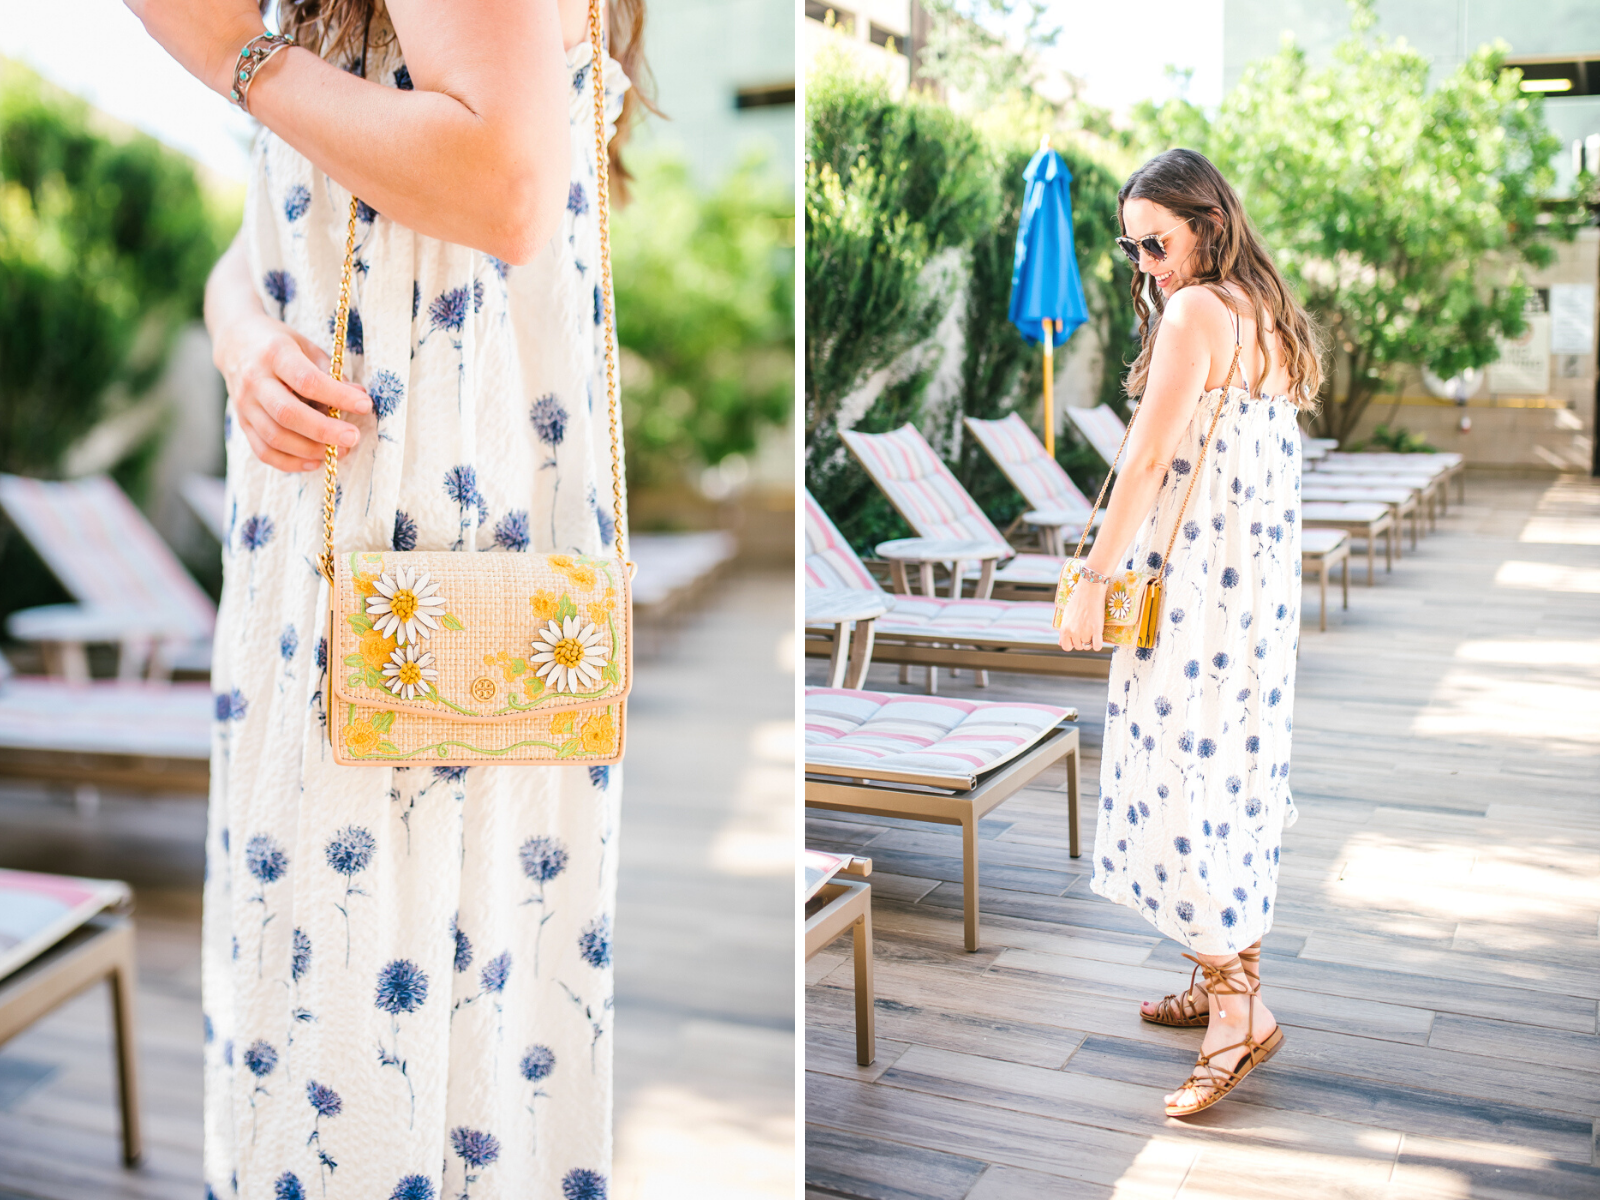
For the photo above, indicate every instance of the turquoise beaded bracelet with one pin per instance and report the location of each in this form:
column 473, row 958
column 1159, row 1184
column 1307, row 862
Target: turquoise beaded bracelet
column 251, row 59
column 1091, row 574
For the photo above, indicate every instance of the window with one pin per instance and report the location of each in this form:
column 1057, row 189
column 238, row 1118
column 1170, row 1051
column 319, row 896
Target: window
column 772, row 95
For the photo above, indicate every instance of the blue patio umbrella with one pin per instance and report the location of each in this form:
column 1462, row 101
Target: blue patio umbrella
column 1047, row 302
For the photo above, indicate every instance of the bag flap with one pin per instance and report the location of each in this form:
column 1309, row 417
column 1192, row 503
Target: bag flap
column 488, row 636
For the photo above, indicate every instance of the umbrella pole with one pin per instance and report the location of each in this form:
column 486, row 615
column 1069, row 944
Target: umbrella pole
column 1049, row 391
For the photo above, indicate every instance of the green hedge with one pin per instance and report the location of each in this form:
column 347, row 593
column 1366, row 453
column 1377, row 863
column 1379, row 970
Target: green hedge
column 893, row 186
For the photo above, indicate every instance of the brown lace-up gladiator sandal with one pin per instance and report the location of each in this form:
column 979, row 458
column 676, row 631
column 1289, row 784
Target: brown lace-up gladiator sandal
column 1181, row 1009
column 1208, row 1083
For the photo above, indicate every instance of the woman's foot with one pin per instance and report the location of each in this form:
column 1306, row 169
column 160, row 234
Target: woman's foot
column 1241, row 1034
column 1191, row 1008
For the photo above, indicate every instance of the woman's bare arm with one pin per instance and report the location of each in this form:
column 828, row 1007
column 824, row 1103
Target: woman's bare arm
column 477, row 153
column 1179, row 367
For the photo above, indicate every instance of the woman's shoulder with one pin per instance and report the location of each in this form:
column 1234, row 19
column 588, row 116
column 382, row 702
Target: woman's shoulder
column 1200, row 305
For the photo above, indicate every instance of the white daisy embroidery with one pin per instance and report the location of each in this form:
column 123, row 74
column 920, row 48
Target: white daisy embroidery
column 407, row 605
column 408, row 674
column 569, row 655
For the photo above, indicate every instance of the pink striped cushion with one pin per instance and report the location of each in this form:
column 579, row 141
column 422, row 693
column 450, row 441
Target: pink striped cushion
column 1022, row 458
column 927, row 734
column 938, row 620
column 1101, row 428
column 103, row 550
column 920, row 486
column 1027, row 568
column 830, row 561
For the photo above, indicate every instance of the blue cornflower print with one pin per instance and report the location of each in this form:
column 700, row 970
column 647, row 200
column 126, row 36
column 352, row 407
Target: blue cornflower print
column 255, row 534
column 299, row 967
column 288, row 643
column 461, row 485
column 543, row 859
column 296, row 201
column 1233, row 784
column 261, row 1060
column 355, row 341
column 1229, row 917
column 402, row 988
column 325, row 1102
column 1191, row 530
column 549, row 419
column 511, row 531
column 495, row 972
column 577, row 199
column 476, row 1149
column 405, row 532
column 1240, row 895
column 1185, row 911
column 349, row 852
column 499, row 266
column 413, row 1187
column 1181, row 844
column 600, row 777
column 1191, row 669
column 387, row 390
column 1104, row 861
column 1182, row 466
column 365, row 213
column 599, row 306
column 536, row 1065
column 583, row 1184
column 402, row 81
column 267, row 863
column 1208, row 747
column 1163, row 706
column 288, row 1187
column 594, row 943
column 463, row 957
column 448, row 311
column 1161, row 873
column 231, row 705
column 1176, row 616
column 280, row 289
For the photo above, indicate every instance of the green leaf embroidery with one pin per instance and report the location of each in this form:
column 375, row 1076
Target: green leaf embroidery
column 360, row 622
column 383, row 721
column 374, row 677
column 449, row 622
column 388, row 748
column 611, row 673
column 566, row 608
column 518, row 666
column 355, row 660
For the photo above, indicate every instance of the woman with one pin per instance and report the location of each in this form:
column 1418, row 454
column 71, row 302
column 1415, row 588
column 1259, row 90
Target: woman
column 407, row 984
column 1195, row 775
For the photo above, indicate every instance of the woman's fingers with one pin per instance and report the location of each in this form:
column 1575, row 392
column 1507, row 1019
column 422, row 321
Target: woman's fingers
column 304, row 370
column 287, row 424
column 273, row 458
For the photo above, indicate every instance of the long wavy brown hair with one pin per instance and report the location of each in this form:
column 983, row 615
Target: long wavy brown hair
column 1227, row 251
column 340, row 31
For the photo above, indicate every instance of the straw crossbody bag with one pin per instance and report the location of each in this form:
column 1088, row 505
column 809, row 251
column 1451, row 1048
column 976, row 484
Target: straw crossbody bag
column 441, row 658
column 1133, row 598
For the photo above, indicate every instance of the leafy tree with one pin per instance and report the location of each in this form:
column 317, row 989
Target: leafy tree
column 964, row 53
column 705, row 305
column 1392, row 209
column 889, row 185
column 104, row 248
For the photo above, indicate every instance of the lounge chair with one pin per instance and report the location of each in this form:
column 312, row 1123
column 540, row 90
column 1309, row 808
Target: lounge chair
column 1057, row 509
column 1446, row 462
column 1320, row 549
column 1402, row 501
column 838, row 899
column 1362, row 520
column 935, row 505
column 129, row 586
column 75, row 934
column 934, row 759
column 125, row 733
column 1101, row 428
column 1002, row 635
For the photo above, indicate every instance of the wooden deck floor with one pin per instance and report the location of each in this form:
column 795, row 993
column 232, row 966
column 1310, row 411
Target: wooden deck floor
column 704, row 946
column 1435, row 961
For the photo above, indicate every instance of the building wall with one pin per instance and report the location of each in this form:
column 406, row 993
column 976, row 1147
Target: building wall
column 703, row 53
column 862, row 30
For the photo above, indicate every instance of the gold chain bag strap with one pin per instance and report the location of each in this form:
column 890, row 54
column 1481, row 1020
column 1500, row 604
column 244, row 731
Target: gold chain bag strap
column 1133, row 598
column 443, row 658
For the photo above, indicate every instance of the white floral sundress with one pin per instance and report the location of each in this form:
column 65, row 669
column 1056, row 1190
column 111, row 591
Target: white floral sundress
column 1194, row 775
column 407, row 972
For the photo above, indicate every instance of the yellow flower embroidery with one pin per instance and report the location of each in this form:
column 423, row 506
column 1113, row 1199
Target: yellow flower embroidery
column 581, row 575
column 598, row 611
column 364, row 584
column 375, row 649
column 561, row 723
column 361, row 738
column 544, row 604
column 600, row 734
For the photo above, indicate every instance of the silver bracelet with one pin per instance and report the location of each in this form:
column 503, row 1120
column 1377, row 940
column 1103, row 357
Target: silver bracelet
column 1091, row 574
column 252, row 58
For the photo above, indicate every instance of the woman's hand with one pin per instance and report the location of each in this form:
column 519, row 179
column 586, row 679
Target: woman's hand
column 205, row 36
column 276, row 378
column 1083, row 623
